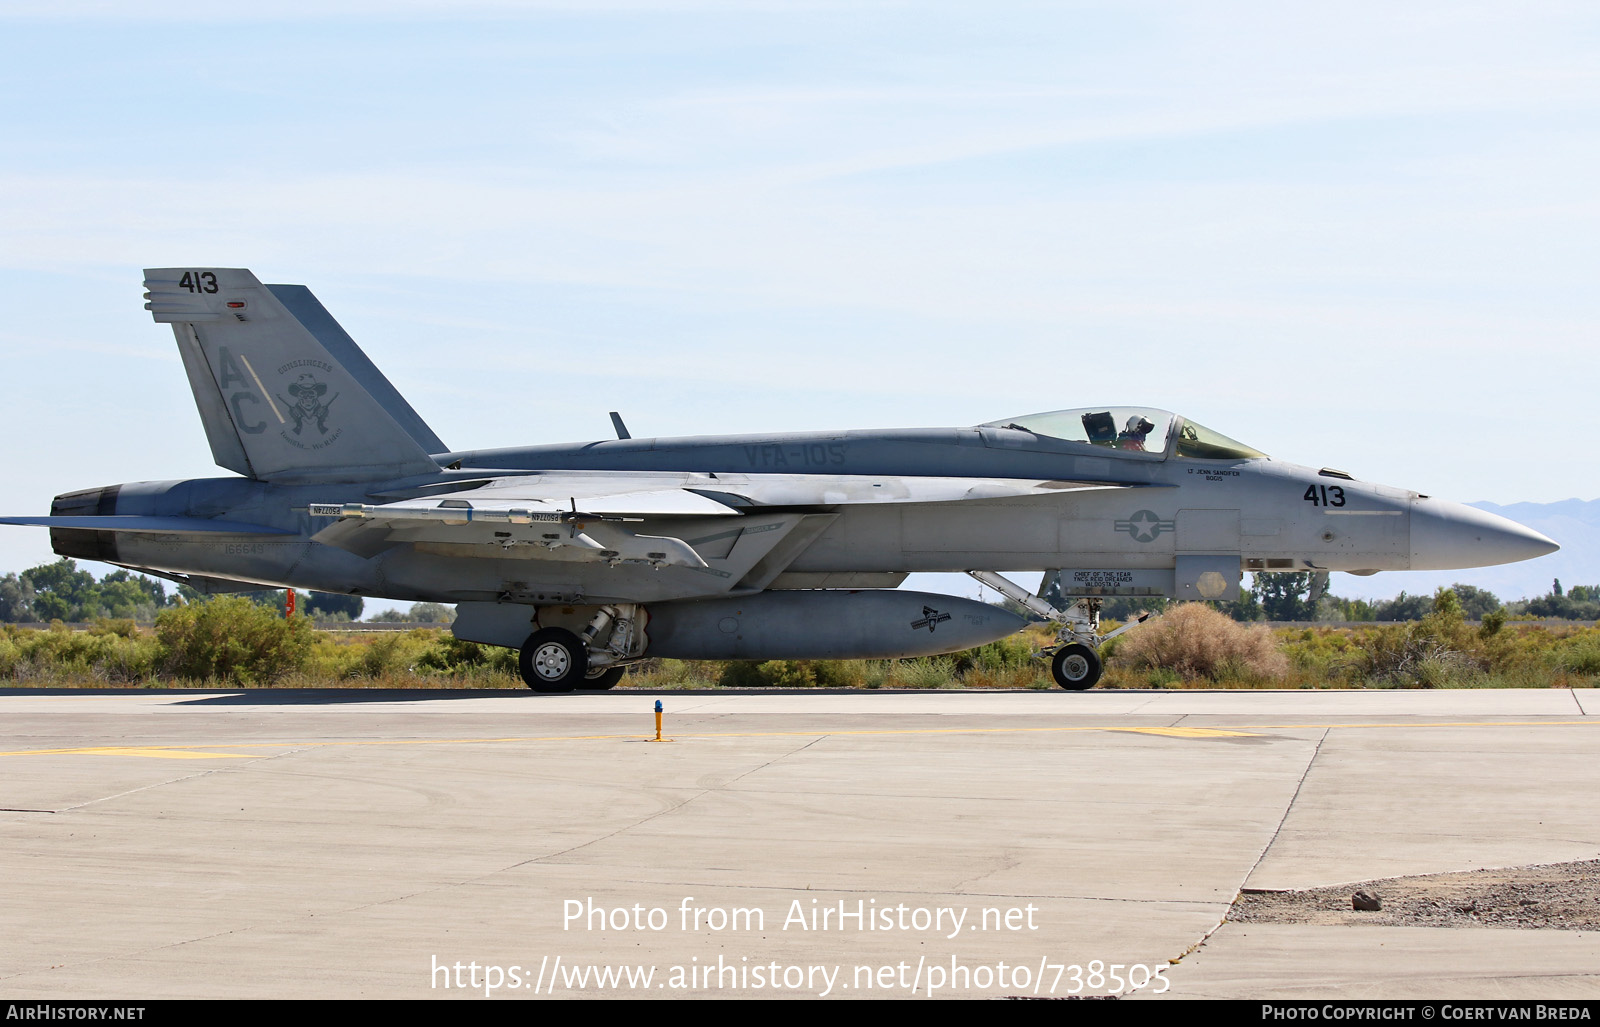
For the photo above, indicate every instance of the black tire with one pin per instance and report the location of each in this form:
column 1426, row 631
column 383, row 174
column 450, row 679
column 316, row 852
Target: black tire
column 553, row 660
column 1076, row 667
column 601, row 678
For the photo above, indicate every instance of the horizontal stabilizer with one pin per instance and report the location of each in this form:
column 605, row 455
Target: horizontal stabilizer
column 206, row 585
column 149, row 525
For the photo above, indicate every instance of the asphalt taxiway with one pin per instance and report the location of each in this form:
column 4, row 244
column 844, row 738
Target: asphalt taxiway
column 350, row 844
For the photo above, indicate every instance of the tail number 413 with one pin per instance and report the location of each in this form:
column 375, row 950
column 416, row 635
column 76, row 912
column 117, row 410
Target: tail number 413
column 198, row 281
column 1324, row 495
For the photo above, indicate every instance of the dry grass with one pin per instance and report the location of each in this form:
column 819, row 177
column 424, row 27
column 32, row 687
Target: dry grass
column 1195, row 641
column 1191, row 646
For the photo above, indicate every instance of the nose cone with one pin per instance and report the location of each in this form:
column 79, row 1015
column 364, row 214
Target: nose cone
column 1447, row 536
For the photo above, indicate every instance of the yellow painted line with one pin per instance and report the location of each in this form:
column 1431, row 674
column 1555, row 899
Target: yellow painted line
column 1172, row 732
column 157, row 752
column 604, row 738
column 1588, row 721
column 283, row 746
column 1185, row 732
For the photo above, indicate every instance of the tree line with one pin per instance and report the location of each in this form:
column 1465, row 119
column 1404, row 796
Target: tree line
column 60, row 591
column 1286, row 597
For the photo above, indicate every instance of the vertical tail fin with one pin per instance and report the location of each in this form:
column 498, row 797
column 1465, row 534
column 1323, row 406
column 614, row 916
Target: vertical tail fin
column 284, row 393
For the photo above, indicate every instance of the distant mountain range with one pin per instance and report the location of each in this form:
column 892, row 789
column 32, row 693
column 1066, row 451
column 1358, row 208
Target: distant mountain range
column 1575, row 523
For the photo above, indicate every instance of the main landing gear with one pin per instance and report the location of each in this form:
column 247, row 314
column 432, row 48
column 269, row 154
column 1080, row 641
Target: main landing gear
column 558, row 660
column 553, row 660
column 1075, row 663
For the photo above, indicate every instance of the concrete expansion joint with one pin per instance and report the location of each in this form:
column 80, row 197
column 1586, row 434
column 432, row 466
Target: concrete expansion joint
column 1289, row 806
column 1287, row 809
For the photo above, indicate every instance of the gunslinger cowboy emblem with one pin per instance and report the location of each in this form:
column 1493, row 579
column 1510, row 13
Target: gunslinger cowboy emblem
column 308, row 404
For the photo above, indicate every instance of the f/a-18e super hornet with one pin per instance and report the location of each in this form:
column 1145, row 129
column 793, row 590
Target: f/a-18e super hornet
column 589, row 557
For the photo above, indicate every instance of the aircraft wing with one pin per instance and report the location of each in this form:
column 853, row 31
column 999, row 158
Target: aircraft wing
column 592, row 516
column 671, row 493
column 764, row 490
column 584, row 518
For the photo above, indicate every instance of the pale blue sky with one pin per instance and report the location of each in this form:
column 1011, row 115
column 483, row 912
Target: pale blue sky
column 1364, row 235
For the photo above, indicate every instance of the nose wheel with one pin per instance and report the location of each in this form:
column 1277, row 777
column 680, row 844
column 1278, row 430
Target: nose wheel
column 1076, row 663
column 1076, row 667
column 554, row 660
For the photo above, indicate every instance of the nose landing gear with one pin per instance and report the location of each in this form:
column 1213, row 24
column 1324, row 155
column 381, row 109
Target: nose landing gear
column 1076, row 666
column 1075, row 663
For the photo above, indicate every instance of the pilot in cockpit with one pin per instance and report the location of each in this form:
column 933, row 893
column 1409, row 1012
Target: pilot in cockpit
column 1134, row 433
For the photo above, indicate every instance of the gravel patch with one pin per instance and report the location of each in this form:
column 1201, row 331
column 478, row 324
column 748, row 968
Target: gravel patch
column 1557, row 897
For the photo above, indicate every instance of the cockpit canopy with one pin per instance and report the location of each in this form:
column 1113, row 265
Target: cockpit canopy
column 1132, row 429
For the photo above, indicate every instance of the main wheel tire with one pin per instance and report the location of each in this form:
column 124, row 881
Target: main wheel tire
column 1076, row 667
column 553, row 660
column 601, row 678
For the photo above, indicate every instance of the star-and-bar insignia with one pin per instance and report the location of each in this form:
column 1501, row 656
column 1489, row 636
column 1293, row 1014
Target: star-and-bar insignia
column 1145, row 526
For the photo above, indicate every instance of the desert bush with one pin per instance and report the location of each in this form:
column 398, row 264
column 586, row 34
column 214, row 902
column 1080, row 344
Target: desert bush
column 122, row 626
column 767, row 674
column 85, row 656
column 1328, row 653
column 230, row 639
column 382, row 656
column 1004, row 654
column 448, row 654
column 663, row 673
column 926, row 672
column 1410, row 655
column 840, row 673
column 1438, row 651
column 1195, row 640
column 1581, row 657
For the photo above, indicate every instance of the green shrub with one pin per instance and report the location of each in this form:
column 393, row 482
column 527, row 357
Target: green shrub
column 1439, row 651
column 663, row 673
column 768, row 674
column 231, row 640
column 1582, row 657
column 839, row 673
column 449, row 654
column 926, row 672
column 121, row 626
column 383, row 655
column 1007, row 653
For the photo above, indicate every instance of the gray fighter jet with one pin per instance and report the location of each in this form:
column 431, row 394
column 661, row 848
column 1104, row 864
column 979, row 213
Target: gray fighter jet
column 589, row 557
